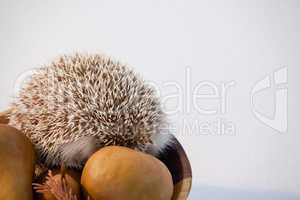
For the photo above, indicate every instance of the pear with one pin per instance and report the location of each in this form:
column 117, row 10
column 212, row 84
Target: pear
column 120, row 173
column 17, row 164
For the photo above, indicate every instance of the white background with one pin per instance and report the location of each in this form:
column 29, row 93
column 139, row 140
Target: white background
column 240, row 41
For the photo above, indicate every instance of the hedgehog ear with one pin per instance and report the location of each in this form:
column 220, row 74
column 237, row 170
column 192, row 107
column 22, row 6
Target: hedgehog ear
column 75, row 154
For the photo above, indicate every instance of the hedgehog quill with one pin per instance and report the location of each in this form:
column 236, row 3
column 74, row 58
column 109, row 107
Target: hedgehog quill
column 79, row 103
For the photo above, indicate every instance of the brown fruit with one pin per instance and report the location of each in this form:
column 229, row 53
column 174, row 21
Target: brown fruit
column 51, row 185
column 17, row 160
column 120, row 173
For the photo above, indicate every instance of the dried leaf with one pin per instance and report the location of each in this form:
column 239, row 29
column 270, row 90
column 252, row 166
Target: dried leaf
column 59, row 189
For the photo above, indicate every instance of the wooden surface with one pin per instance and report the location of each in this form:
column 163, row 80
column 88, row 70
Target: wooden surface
column 178, row 163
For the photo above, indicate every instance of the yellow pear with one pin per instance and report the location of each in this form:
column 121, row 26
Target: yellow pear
column 120, row 173
column 17, row 160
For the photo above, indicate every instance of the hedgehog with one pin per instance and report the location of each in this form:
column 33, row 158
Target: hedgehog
column 80, row 103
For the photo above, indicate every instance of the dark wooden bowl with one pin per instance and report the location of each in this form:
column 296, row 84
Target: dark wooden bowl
column 178, row 163
column 174, row 158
